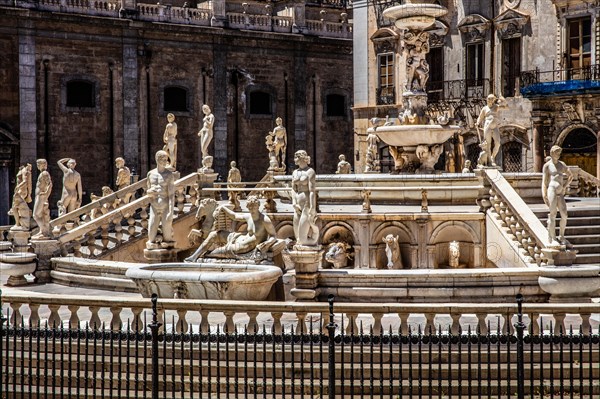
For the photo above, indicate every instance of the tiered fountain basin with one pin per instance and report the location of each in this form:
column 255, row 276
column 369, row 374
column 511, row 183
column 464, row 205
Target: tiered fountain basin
column 414, row 135
column 205, row 281
column 415, row 16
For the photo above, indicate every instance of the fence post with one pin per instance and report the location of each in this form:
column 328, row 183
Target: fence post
column 331, row 329
column 154, row 326
column 520, row 327
column 2, row 320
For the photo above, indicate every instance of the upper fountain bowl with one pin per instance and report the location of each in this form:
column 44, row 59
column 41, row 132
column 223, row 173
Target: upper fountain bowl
column 415, row 16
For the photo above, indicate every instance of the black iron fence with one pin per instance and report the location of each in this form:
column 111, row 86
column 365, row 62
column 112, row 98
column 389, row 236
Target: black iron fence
column 62, row 362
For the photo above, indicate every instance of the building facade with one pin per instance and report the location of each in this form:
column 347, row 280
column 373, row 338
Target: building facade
column 541, row 56
column 95, row 80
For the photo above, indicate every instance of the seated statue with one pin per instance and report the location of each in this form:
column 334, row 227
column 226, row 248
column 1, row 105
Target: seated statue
column 253, row 244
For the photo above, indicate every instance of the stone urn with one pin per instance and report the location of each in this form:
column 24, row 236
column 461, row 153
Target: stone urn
column 570, row 283
column 16, row 265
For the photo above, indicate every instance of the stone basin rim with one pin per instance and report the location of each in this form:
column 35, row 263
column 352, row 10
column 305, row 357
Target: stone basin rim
column 216, row 272
column 415, row 10
column 413, row 135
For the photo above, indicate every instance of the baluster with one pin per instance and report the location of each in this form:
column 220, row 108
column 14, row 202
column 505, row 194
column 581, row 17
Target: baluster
column 77, row 249
column 34, row 317
column 534, row 326
column 54, row 318
column 193, row 193
column 15, row 318
column 137, row 319
column 182, row 324
column 455, row 323
column 352, row 326
column 483, row 327
column 104, row 237
column 559, row 322
column 115, row 321
column 74, row 319
column 403, row 329
column 508, row 324
column 180, row 199
column 118, row 231
column 277, row 322
column 91, row 243
column 144, row 220
column 429, row 317
column 519, row 232
column 204, row 327
column 95, row 322
column 131, row 226
column 301, row 326
column 502, row 213
column 585, row 322
column 229, row 325
column 252, row 324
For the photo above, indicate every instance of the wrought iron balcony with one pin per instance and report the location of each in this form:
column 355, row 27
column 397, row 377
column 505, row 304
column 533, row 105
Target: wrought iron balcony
column 457, row 90
column 561, row 81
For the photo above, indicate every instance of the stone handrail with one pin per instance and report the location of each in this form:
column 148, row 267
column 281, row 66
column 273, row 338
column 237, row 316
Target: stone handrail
column 329, row 29
column 31, row 308
column 160, row 12
column 102, row 205
column 589, row 185
column 85, row 235
column 520, row 223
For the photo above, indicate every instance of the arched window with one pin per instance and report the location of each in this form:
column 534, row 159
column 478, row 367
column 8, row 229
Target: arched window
column 81, row 94
column 335, row 105
column 176, row 99
column 260, row 103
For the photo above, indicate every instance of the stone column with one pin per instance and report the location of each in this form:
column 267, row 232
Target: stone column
column 364, row 238
column 131, row 88
column 219, row 108
column 538, row 145
column 27, row 97
column 306, row 263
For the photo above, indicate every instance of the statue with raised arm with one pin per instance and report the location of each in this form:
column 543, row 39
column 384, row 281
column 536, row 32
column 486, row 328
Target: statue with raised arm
column 71, row 194
column 490, row 142
column 161, row 189
column 22, row 196
column 41, row 207
column 170, row 140
column 206, row 133
column 304, row 201
column 259, row 238
column 556, row 178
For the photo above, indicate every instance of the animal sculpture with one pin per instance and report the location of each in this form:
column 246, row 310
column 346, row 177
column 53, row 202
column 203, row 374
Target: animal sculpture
column 337, row 254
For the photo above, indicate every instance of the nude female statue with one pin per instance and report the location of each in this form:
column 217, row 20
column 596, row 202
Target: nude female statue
column 304, row 201
column 554, row 188
column 170, row 140
column 22, row 196
column 71, row 193
column 41, row 207
column 206, row 133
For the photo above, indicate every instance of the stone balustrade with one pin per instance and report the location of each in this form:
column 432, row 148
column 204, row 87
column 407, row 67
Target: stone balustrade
column 516, row 218
column 125, row 223
column 589, row 185
column 27, row 308
column 103, row 205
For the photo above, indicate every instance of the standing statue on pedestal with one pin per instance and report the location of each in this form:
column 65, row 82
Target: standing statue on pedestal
column 170, row 140
column 41, row 207
column 71, row 194
column 556, row 178
column 304, row 201
column 123, row 179
column 371, row 164
column 278, row 144
column 234, row 177
column 22, row 196
column 161, row 189
column 490, row 142
column 343, row 167
column 206, row 133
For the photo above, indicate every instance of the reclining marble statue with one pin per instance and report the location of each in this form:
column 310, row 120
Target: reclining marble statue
column 556, row 178
column 253, row 244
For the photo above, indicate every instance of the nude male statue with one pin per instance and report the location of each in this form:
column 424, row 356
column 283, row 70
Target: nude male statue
column 488, row 118
column 279, row 142
column 554, row 188
column 41, row 207
column 161, row 189
column 71, row 194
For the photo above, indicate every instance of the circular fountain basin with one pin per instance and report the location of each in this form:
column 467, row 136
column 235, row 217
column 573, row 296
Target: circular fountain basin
column 205, row 281
column 415, row 16
column 413, row 135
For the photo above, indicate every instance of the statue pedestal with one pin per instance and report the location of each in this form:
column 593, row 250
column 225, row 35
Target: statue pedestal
column 19, row 239
column 559, row 256
column 45, row 249
column 570, row 283
column 205, row 180
column 16, row 265
column 306, row 263
column 160, row 255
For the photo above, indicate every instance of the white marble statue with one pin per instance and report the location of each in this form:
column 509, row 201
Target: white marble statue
column 343, row 167
column 22, row 196
column 556, row 178
column 72, row 193
column 161, row 189
column 259, row 238
column 41, row 206
column 206, row 133
column 207, row 163
column 490, row 142
column 279, row 143
column 467, row 167
column 392, row 252
column 106, row 207
column 454, row 254
column 123, row 179
column 304, row 201
column 206, row 216
column 234, row 177
column 337, row 254
column 170, row 140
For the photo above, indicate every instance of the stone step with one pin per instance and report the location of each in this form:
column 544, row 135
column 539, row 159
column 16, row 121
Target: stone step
column 588, row 248
column 92, row 274
column 588, row 259
column 584, row 239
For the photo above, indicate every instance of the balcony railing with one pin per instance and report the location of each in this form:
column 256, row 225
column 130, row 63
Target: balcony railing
column 536, row 82
column 456, row 90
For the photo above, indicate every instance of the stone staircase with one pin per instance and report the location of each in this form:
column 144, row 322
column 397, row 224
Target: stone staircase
column 583, row 227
